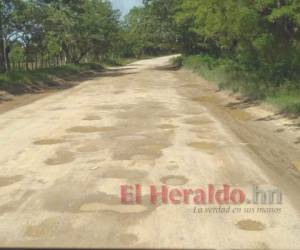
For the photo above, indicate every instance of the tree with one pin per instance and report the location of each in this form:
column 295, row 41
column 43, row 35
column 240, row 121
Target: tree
column 76, row 30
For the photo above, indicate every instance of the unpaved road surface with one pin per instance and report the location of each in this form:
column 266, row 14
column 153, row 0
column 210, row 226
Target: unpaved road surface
column 64, row 157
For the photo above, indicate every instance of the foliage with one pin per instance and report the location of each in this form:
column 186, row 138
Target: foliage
column 224, row 72
column 151, row 28
column 261, row 36
column 73, row 31
column 250, row 46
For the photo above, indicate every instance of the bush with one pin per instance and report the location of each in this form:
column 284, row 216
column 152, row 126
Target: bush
column 228, row 74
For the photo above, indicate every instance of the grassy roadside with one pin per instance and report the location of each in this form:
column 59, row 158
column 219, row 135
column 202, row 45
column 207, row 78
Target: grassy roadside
column 31, row 81
column 285, row 96
column 19, row 82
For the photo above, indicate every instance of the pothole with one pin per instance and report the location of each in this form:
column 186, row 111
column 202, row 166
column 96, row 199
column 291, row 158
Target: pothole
column 61, row 157
column 172, row 168
column 88, row 129
column 105, row 107
column 88, row 149
column 57, row 108
column 63, row 199
column 131, row 137
column 117, row 92
column 166, row 126
column 208, row 147
column 92, row 118
column 197, row 121
column 250, row 225
column 174, row 180
column 49, row 141
column 9, row 180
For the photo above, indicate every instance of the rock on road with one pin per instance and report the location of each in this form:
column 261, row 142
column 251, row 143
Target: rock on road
column 64, row 157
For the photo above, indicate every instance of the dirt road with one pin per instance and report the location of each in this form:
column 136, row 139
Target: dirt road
column 64, row 157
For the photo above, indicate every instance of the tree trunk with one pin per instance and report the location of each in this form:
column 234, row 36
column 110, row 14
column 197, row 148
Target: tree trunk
column 2, row 59
column 42, row 62
column 2, row 53
column 67, row 53
column 6, row 57
column 26, row 64
column 2, row 41
column 36, row 62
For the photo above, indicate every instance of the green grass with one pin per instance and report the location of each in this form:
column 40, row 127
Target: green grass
column 285, row 97
column 126, row 61
column 288, row 102
column 14, row 81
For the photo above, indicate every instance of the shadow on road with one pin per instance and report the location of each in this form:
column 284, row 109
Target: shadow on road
column 242, row 104
column 116, row 74
column 167, row 68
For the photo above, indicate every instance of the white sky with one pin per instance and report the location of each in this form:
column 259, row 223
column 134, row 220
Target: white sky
column 125, row 5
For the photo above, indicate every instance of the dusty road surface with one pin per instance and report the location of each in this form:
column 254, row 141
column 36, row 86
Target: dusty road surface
column 64, row 157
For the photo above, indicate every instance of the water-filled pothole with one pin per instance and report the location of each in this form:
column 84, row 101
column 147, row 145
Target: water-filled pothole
column 250, row 225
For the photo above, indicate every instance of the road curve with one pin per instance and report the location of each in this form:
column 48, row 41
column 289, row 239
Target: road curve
column 64, row 157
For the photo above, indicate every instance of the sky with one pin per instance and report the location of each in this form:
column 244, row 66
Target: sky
column 125, row 5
